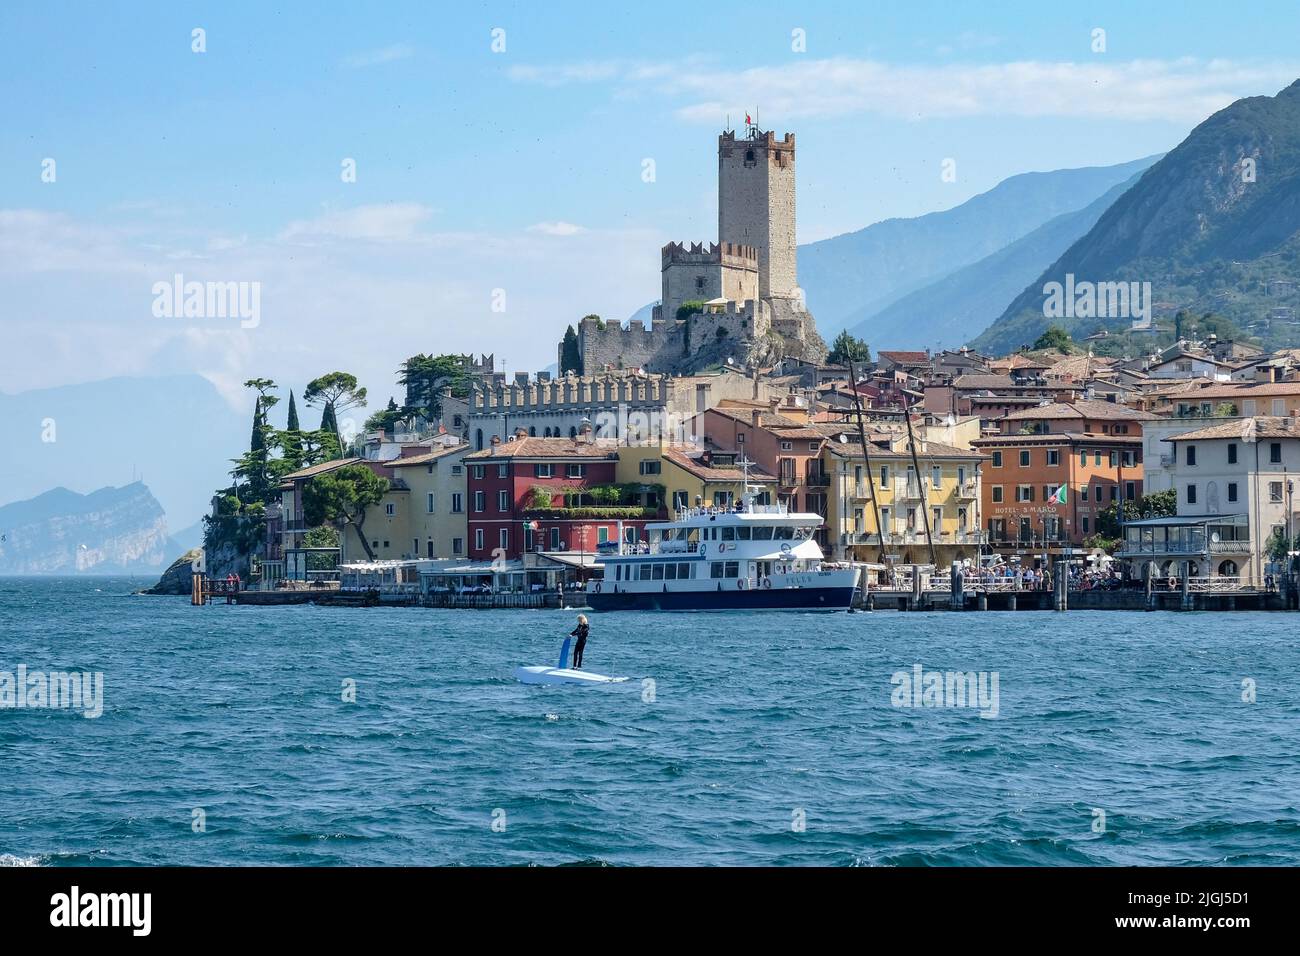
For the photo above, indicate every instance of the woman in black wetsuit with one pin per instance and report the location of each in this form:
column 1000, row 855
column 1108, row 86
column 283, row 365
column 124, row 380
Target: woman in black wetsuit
column 580, row 632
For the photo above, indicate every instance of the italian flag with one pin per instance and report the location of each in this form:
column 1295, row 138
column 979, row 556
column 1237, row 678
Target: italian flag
column 1059, row 497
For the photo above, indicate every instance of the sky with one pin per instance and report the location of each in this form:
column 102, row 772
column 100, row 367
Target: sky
column 516, row 166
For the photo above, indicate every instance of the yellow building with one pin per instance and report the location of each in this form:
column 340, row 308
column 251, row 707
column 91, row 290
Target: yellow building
column 943, row 500
column 423, row 513
column 689, row 476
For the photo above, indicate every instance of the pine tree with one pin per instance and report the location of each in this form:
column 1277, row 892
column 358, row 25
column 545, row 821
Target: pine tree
column 292, row 424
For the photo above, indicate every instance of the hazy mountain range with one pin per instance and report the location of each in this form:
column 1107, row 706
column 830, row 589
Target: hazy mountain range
column 174, row 432
column 1214, row 226
column 850, row 279
column 109, row 530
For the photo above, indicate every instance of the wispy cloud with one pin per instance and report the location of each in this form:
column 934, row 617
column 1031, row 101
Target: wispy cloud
column 361, row 288
column 1185, row 89
column 558, row 228
column 378, row 223
column 388, row 54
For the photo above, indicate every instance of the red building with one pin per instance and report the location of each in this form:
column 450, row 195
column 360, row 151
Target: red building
column 547, row 494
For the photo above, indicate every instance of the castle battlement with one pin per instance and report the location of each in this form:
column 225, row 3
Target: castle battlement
column 757, row 137
column 710, row 254
column 605, row 389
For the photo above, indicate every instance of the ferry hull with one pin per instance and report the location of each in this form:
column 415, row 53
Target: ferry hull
column 752, row 599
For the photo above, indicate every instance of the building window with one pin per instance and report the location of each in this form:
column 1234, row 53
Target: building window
column 1083, row 493
column 1130, row 490
column 478, row 539
column 455, row 469
column 997, row 459
column 937, row 523
column 681, row 501
column 1232, row 453
column 997, row 494
column 1191, row 494
column 457, row 545
column 1083, row 524
column 555, row 539
column 1096, row 459
column 532, row 431
column 1191, row 455
column 651, row 466
column 504, row 538
column 477, row 472
column 1024, row 459
column 1130, row 459
column 503, row 500
column 390, row 509
column 543, row 471
column 457, row 502
column 480, row 501
column 1053, row 457
column 1275, row 452
column 740, row 438
column 1114, row 457
column 574, row 470
column 1024, row 492
column 1232, row 491
column 787, row 445
column 884, row 474
column 429, row 502
column 1083, row 459
column 1275, row 491
column 936, row 477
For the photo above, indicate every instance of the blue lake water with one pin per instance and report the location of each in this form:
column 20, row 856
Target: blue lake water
column 770, row 739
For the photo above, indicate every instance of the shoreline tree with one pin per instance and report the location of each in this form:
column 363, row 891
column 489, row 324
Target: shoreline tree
column 341, row 498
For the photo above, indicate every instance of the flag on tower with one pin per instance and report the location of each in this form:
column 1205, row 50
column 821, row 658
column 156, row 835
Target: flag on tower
column 748, row 121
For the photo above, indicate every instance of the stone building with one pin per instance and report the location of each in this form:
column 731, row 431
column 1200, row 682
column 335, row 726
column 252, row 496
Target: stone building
column 752, row 309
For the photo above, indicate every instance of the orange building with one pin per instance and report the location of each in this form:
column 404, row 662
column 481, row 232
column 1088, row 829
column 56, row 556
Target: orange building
column 1054, row 468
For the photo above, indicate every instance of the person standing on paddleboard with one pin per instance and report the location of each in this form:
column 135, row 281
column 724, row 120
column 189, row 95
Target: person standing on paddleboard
column 580, row 632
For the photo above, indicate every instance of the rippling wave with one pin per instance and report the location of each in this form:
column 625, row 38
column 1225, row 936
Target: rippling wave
column 768, row 739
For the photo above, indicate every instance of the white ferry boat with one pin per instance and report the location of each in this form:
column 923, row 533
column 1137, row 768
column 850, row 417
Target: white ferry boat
column 750, row 557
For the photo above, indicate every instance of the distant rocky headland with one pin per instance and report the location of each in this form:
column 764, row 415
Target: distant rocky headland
column 112, row 530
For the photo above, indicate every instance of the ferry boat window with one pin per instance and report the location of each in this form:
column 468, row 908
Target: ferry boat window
column 670, row 572
column 733, row 569
column 783, row 533
column 742, row 534
column 715, row 569
column 645, row 572
column 802, row 533
column 656, row 572
column 683, row 571
column 728, row 534
column 762, row 534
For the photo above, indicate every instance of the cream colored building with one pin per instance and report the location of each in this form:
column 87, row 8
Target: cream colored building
column 423, row 514
column 1235, row 485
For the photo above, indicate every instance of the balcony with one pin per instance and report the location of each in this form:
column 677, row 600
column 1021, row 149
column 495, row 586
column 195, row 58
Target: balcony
column 968, row 489
column 817, row 480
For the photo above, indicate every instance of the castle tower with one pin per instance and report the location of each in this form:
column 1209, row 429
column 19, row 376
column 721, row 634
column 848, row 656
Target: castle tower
column 756, row 205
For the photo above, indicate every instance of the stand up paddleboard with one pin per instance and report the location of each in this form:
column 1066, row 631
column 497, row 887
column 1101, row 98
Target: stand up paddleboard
column 562, row 674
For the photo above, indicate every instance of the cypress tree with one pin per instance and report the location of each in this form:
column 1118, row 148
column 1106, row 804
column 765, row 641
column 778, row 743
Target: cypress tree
column 292, row 424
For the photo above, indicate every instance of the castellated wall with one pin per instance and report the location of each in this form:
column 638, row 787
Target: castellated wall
column 701, row 273
column 670, row 345
column 756, row 205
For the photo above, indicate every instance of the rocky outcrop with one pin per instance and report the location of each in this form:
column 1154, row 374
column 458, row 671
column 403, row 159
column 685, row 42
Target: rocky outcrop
column 109, row 530
column 221, row 561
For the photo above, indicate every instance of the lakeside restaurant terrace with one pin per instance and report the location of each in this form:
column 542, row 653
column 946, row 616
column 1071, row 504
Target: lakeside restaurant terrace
column 1216, row 546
